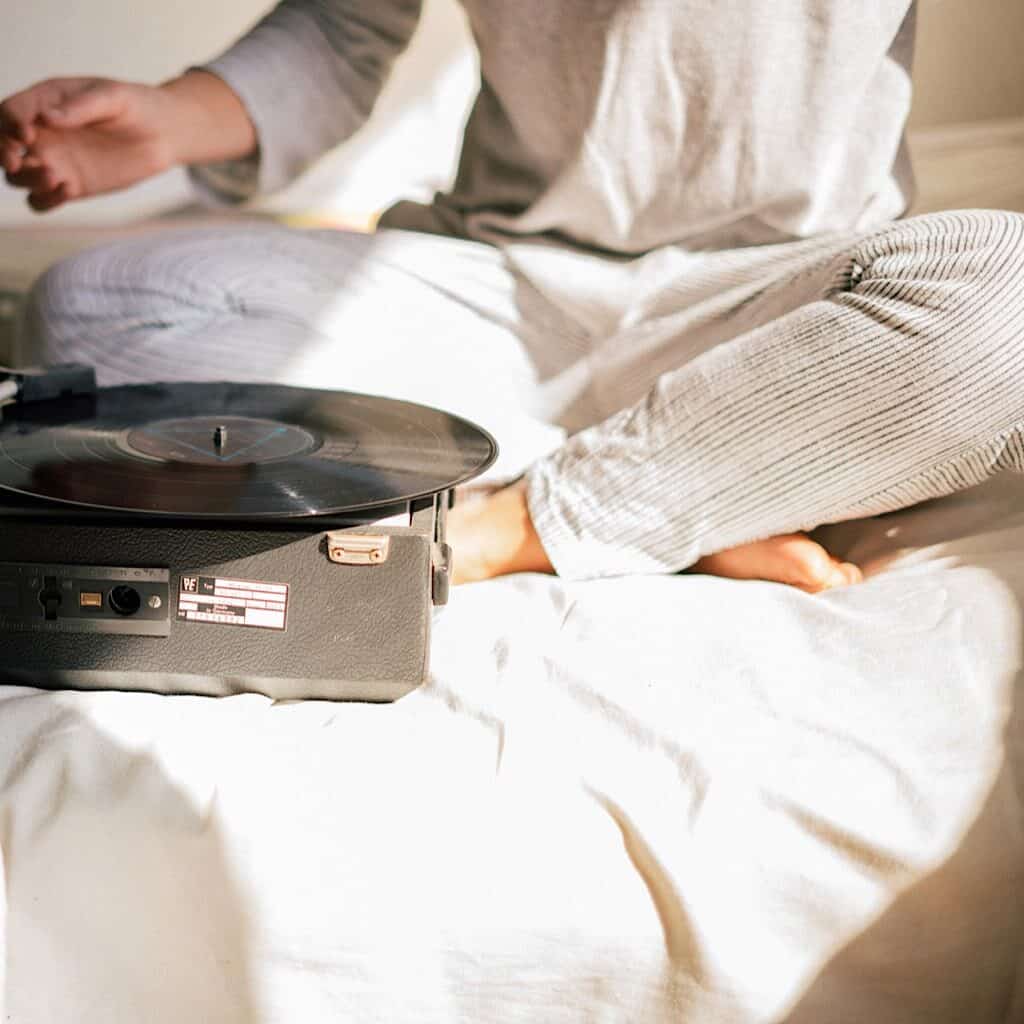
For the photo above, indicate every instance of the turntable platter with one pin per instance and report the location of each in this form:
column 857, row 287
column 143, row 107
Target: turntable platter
column 238, row 451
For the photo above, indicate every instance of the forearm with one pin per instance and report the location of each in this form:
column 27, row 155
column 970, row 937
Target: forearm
column 308, row 76
column 207, row 121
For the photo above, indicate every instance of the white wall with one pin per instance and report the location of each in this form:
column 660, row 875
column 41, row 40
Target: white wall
column 969, row 62
column 147, row 40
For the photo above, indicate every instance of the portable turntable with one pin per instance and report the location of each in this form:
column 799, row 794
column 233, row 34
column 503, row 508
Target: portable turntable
column 215, row 538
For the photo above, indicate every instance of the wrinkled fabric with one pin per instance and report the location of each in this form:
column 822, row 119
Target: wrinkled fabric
column 651, row 799
column 616, row 125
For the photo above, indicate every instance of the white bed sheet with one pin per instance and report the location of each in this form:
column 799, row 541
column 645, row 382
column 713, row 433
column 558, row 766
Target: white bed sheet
column 642, row 800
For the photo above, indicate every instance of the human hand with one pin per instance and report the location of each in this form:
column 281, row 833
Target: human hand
column 67, row 138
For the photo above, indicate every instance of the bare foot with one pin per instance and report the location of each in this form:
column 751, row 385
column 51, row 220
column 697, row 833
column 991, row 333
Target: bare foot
column 492, row 535
column 791, row 558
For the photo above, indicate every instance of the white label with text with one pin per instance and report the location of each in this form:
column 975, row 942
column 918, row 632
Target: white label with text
column 231, row 602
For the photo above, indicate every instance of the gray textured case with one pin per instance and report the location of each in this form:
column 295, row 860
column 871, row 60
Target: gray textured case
column 352, row 632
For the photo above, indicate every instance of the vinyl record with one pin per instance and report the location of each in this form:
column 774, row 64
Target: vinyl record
column 243, row 451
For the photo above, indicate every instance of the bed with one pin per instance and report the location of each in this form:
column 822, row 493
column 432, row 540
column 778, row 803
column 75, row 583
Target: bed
column 644, row 800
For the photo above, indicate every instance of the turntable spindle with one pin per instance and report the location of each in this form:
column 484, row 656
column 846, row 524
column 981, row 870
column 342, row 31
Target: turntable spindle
column 220, row 438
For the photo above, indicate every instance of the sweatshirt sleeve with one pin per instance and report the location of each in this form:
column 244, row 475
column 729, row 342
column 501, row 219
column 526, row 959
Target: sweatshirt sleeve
column 309, row 74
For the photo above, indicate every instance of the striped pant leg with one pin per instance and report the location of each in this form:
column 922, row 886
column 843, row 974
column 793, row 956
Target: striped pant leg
column 404, row 314
column 898, row 377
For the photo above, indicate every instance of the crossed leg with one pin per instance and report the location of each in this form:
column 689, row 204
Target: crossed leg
column 407, row 315
column 780, row 389
column 421, row 317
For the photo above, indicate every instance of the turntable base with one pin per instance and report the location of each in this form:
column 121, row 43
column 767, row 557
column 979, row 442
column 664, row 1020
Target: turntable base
column 143, row 555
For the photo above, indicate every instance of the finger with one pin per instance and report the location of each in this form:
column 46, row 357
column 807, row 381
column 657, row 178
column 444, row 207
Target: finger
column 43, row 201
column 12, row 154
column 99, row 102
column 20, row 111
column 36, row 179
column 59, row 161
column 16, row 121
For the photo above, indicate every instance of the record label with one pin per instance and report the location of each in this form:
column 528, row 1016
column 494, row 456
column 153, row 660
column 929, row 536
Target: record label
column 219, row 440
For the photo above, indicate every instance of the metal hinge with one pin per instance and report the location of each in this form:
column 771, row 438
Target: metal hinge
column 441, row 572
column 357, row 548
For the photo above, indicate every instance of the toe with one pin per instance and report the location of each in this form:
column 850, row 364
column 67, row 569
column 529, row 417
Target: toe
column 851, row 572
column 807, row 565
column 840, row 574
column 793, row 559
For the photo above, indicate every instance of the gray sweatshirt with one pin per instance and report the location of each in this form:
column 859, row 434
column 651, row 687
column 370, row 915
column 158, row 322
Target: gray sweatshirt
column 612, row 125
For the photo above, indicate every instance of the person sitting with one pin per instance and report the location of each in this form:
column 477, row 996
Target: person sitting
column 675, row 231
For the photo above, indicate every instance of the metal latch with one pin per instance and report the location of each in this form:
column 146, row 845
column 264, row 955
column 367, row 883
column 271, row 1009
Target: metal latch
column 357, row 548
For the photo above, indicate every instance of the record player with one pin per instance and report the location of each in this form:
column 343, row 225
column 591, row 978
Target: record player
column 215, row 538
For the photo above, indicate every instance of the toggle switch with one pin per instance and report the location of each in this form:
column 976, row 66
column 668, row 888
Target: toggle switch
column 49, row 598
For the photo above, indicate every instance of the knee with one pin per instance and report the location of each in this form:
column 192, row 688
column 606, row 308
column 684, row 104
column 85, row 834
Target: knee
column 997, row 235
column 1006, row 230
column 979, row 250
column 946, row 292
column 946, row 277
column 103, row 303
column 982, row 256
column 57, row 307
